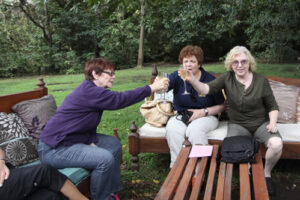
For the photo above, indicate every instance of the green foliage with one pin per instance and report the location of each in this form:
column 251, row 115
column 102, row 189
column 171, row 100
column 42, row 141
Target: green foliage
column 274, row 32
column 38, row 37
column 118, row 39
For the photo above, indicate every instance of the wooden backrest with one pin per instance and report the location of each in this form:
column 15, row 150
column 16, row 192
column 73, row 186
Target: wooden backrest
column 7, row 101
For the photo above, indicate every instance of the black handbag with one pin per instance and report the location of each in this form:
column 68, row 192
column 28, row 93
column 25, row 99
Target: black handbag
column 239, row 149
column 185, row 116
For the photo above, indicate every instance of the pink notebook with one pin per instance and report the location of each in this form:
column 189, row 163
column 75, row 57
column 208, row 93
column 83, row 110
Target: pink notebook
column 201, row 151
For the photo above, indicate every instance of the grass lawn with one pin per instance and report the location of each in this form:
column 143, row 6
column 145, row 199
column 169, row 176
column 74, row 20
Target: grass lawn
column 145, row 183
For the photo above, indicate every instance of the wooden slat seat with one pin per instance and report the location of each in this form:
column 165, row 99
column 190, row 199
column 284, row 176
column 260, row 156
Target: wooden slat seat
column 187, row 178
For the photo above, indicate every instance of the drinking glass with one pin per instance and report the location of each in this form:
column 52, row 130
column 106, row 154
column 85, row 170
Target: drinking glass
column 163, row 75
column 184, row 74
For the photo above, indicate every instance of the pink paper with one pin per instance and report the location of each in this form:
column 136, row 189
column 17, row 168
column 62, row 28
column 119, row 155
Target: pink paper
column 201, row 151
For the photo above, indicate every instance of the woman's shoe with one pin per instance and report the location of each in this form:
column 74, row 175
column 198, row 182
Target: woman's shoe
column 114, row 196
column 270, row 186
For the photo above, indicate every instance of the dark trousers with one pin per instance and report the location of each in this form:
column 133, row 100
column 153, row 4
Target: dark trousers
column 34, row 182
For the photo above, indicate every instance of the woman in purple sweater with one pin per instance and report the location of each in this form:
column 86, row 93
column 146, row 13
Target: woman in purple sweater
column 70, row 139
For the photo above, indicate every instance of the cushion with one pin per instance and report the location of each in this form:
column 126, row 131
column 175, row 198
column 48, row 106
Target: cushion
column 11, row 126
column 76, row 175
column 289, row 132
column 298, row 108
column 35, row 113
column 20, row 151
column 151, row 131
column 286, row 97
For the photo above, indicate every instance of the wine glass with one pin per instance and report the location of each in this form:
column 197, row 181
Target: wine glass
column 183, row 75
column 163, row 75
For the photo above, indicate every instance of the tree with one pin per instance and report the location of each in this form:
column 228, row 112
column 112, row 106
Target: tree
column 142, row 35
column 273, row 29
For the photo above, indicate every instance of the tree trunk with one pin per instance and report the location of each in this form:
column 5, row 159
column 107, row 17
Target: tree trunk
column 142, row 35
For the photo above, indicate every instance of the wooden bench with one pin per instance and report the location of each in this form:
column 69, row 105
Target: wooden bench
column 187, row 178
column 153, row 144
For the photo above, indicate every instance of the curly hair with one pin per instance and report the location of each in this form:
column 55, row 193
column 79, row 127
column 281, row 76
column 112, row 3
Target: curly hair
column 236, row 51
column 190, row 50
column 98, row 65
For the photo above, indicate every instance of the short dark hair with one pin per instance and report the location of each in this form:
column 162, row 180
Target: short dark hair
column 98, row 65
column 190, row 50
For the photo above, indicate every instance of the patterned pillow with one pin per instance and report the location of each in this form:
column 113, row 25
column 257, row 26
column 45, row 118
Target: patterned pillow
column 286, row 97
column 11, row 126
column 35, row 113
column 20, row 151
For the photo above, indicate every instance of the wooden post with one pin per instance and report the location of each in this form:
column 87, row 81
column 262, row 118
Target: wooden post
column 134, row 146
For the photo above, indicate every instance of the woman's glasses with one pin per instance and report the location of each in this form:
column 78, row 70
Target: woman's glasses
column 236, row 62
column 108, row 72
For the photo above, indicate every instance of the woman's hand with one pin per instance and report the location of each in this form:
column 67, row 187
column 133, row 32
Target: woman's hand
column 4, row 172
column 93, row 144
column 201, row 88
column 186, row 75
column 160, row 85
column 197, row 113
column 273, row 116
column 272, row 128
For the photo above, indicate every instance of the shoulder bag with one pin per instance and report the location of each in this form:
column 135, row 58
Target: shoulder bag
column 157, row 112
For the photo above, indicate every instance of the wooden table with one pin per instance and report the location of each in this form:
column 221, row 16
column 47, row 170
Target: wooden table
column 188, row 176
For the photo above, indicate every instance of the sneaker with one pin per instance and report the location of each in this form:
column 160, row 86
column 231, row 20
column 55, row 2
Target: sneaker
column 270, row 186
column 114, row 196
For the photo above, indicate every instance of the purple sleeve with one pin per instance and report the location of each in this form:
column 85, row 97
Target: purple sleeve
column 105, row 99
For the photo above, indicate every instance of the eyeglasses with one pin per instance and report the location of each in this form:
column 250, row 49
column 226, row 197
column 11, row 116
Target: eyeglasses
column 243, row 62
column 109, row 73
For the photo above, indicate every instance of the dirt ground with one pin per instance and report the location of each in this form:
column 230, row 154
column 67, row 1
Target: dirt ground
column 286, row 176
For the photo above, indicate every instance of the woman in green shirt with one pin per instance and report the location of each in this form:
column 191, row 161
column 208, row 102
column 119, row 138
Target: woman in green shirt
column 253, row 110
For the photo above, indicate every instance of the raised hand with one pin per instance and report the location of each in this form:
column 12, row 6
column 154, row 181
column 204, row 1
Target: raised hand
column 161, row 84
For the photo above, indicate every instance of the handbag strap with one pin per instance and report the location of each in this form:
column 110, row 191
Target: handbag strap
column 163, row 112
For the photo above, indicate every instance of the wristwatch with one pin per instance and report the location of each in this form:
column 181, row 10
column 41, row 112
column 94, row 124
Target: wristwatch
column 206, row 112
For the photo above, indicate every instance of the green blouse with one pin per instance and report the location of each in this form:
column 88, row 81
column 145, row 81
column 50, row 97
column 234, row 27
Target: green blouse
column 248, row 108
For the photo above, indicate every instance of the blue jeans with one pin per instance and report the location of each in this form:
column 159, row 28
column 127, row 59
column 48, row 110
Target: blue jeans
column 103, row 161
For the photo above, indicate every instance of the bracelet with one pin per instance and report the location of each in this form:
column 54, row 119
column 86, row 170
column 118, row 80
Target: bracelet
column 2, row 159
column 206, row 112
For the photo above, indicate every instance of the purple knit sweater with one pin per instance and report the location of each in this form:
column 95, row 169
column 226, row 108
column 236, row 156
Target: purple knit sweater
column 76, row 120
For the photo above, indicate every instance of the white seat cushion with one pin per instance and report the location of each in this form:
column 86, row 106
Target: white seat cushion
column 219, row 133
column 289, row 132
column 152, row 131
